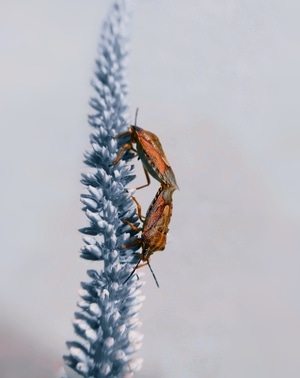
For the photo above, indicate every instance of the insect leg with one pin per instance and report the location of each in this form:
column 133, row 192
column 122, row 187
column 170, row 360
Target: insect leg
column 123, row 134
column 133, row 227
column 139, row 209
column 132, row 244
column 127, row 146
column 147, row 178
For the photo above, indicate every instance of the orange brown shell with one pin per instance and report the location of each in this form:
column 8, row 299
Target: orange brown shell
column 156, row 224
column 152, row 155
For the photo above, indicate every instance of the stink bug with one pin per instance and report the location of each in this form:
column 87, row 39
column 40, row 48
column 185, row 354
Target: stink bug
column 150, row 151
column 155, row 227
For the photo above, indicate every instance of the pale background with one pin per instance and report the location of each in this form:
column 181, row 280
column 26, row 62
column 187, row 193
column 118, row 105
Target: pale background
column 219, row 82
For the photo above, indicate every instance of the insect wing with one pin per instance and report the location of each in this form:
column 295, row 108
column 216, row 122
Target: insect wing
column 160, row 210
column 153, row 157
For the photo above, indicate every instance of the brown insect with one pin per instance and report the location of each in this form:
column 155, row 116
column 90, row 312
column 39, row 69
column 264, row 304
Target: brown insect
column 155, row 227
column 150, row 151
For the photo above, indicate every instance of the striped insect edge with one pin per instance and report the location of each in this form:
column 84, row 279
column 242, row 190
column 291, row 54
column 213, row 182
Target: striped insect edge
column 150, row 151
column 155, row 227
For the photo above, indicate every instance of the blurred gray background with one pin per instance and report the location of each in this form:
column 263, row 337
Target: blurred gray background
column 218, row 81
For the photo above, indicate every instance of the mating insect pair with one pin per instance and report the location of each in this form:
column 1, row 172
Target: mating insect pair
column 158, row 216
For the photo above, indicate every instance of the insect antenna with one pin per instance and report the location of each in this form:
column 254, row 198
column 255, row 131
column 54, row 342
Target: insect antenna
column 155, row 279
column 135, row 268
column 132, row 273
column 136, row 114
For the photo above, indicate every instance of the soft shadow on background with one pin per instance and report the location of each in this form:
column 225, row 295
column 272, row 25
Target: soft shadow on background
column 218, row 82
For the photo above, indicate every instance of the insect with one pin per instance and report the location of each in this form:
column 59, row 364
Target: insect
column 155, row 227
column 150, row 151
